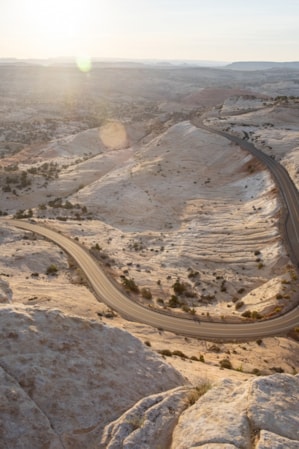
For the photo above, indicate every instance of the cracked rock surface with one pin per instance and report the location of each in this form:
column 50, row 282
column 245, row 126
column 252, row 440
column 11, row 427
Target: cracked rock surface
column 71, row 383
column 261, row 413
column 64, row 378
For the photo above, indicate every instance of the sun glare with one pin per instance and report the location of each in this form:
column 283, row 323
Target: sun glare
column 57, row 24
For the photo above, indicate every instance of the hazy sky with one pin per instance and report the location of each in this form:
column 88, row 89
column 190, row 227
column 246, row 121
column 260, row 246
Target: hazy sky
column 223, row 30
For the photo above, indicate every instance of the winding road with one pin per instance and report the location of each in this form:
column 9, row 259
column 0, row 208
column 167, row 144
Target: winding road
column 283, row 181
column 108, row 293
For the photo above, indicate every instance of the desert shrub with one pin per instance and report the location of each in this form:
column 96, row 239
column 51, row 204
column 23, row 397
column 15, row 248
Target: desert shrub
column 201, row 358
column 198, row 392
column 225, row 363
column 52, row 269
column 146, row 293
column 223, row 286
column 186, row 308
column 179, row 354
column 148, row 343
column 130, row 284
column 193, row 274
column 277, row 369
column 165, row 352
column 23, row 214
column 215, row 348
column 179, row 287
column 239, row 304
column 173, row 302
column 247, row 314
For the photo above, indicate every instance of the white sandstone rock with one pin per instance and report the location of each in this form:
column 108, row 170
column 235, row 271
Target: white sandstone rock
column 149, row 424
column 78, row 373
column 269, row 440
column 232, row 413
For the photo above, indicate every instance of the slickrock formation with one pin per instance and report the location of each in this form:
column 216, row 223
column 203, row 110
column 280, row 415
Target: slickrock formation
column 70, row 383
column 262, row 413
column 259, row 414
column 149, row 424
column 64, row 378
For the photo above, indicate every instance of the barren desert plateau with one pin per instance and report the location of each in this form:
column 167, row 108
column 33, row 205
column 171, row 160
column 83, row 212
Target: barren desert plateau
column 133, row 165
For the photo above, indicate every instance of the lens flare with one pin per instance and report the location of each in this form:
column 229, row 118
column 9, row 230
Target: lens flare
column 113, row 135
column 84, row 64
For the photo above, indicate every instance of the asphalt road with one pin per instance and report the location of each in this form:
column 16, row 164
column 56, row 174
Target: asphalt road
column 286, row 186
column 106, row 292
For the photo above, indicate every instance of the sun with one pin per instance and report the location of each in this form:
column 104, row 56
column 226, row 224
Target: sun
column 57, row 24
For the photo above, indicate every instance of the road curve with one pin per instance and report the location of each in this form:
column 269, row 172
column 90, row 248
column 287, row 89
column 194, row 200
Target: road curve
column 283, row 181
column 106, row 292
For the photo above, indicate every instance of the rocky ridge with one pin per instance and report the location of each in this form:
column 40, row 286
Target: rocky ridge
column 259, row 414
column 63, row 378
column 69, row 382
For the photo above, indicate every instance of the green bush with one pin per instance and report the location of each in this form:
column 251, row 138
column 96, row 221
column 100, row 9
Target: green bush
column 52, row 269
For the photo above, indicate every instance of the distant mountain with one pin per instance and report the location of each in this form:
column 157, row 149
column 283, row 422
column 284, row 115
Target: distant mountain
column 114, row 62
column 262, row 65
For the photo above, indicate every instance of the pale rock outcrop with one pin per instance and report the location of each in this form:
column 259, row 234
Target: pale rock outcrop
column 269, row 440
column 5, row 292
column 218, row 417
column 149, row 424
column 74, row 375
column 215, row 446
column 22, row 423
column 233, row 415
column 273, row 405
